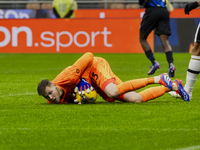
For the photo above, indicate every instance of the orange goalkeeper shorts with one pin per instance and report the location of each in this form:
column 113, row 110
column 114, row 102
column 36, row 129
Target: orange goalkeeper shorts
column 101, row 75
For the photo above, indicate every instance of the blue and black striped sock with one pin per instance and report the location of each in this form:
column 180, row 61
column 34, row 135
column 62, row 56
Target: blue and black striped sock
column 150, row 56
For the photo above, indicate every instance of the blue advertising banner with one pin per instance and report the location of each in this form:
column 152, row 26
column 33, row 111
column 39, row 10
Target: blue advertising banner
column 25, row 13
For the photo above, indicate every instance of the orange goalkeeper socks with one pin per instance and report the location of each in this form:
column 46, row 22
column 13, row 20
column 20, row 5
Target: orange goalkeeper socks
column 153, row 93
column 134, row 85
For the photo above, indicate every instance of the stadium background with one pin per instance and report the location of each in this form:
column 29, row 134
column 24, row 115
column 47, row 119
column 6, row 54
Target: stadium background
column 28, row 122
column 95, row 30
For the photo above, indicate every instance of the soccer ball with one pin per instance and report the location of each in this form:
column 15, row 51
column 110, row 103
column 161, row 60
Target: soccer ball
column 87, row 97
column 91, row 96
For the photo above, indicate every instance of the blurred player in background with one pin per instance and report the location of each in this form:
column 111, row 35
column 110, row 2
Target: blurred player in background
column 156, row 17
column 64, row 8
column 96, row 71
column 194, row 64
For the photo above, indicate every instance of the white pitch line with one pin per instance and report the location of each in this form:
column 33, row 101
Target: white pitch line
column 169, row 129
column 144, row 129
column 189, row 148
column 22, row 94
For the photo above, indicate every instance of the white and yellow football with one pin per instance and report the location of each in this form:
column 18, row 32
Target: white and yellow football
column 86, row 97
column 91, row 96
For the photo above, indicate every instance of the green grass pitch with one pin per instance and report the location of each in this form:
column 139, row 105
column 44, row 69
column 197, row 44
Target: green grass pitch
column 28, row 122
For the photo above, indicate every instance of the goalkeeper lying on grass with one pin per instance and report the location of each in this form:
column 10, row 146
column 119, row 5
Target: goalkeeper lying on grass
column 89, row 71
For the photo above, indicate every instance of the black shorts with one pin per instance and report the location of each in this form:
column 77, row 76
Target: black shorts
column 197, row 35
column 156, row 18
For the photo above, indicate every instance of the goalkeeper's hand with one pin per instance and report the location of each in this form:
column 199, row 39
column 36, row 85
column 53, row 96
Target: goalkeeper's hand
column 85, row 98
column 81, row 92
column 78, row 98
column 190, row 6
column 83, row 86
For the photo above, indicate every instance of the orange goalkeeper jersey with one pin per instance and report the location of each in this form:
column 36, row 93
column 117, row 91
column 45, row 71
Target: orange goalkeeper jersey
column 95, row 70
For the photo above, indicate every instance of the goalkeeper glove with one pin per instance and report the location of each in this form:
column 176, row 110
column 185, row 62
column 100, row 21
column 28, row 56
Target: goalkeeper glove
column 190, row 6
column 82, row 86
column 78, row 98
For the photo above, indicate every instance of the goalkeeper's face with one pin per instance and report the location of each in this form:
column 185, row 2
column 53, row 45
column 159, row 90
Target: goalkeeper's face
column 52, row 93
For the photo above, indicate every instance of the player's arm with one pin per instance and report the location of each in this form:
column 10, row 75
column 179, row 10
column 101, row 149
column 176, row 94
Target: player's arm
column 56, row 13
column 85, row 61
column 69, row 14
column 191, row 6
column 84, row 93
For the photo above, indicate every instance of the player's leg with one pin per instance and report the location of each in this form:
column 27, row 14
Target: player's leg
column 126, row 89
column 148, row 23
column 163, row 30
column 144, row 96
column 155, row 92
column 112, row 92
column 103, row 77
column 169, row 54
column 193, row 69
column 132, row 96
column 194, row 66
column 132, row 85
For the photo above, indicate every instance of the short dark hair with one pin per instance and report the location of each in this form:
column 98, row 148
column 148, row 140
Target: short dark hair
column 42, row 86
